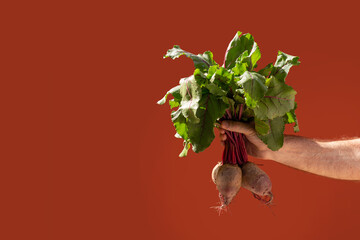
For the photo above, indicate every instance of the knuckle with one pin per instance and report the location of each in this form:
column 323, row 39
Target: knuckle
column 236, row 126
column 233, row 126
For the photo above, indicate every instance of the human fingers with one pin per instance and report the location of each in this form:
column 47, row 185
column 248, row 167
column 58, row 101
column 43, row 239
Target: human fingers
column 222, row 137
column 239, row 127
column 222, row 131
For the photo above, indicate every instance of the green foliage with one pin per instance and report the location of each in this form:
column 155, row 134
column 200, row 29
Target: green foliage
column 253, row 85
column 238, row 46
column 277, row 101
column 283, row 64
column 175, row 91
column 201, row 133
column 262, row 127
column 201, row 61
column 291, row 118
column 274, row 139
column 202, row 98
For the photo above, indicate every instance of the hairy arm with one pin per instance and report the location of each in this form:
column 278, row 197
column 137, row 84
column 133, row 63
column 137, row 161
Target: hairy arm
column 335, row 159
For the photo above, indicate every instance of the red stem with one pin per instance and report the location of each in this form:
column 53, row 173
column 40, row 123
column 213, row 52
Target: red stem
column 234, row 151
column 228, row 134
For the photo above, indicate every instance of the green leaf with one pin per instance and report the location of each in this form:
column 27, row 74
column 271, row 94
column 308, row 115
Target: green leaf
column 275, row 137
column 201, row 61
column 238, row 99
column 214, row 89
column 173, row 103
column 247, row 60
column 278, row 100
column 253, row 84
column 291, row 118
column 266, row 70
column 209, row 57
column 224, row 74
column 247, row 115
column 201, row 133
column 255, row 55
column 238, row 45
column 185, row 150
column 224, row 79
column 175, row 91
column 242, row 64
column 250, row 102
column 180, row 123
column 202, row 98
column 283, row 64
column 239, row 68
column 190, row 92
column 262, row 127
column 200, row 77
column 212, row 70
column 230, row 102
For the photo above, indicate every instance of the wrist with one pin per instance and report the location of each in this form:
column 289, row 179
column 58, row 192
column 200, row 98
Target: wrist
column 270, row 155
column 291, row 148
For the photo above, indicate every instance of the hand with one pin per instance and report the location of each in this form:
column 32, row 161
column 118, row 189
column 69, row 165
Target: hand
column 254, row 146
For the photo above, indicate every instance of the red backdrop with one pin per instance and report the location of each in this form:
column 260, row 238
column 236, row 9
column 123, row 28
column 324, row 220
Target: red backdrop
column 91, row 156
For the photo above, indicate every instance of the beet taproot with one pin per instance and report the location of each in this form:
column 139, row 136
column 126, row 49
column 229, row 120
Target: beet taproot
column 227, row 178
column 257, row 181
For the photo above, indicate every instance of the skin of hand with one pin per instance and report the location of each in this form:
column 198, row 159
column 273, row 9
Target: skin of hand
column 254, row 146
column 335, row 159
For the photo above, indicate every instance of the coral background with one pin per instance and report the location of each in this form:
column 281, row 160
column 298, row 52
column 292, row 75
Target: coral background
column 87, row 154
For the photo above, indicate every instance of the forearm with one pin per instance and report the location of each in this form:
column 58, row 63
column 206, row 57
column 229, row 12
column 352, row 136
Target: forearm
column 334, row 159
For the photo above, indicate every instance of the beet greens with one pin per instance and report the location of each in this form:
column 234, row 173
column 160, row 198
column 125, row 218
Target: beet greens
column 233, row 91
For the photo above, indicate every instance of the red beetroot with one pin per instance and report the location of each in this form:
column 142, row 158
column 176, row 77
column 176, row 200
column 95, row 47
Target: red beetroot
column 257, row 181
column 227, row 178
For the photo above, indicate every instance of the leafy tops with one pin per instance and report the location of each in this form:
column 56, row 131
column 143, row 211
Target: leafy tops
column 201, row 99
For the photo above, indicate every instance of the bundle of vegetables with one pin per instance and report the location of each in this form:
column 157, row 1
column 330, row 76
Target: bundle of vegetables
column 234, row 91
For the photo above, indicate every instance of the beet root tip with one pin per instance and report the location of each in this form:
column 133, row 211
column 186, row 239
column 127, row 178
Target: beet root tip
column 257, row 181
column 227, row 178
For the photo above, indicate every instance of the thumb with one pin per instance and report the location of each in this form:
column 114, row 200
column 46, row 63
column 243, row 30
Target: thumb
column 239, row 127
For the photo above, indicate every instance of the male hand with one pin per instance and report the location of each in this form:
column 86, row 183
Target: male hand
column 254, row 146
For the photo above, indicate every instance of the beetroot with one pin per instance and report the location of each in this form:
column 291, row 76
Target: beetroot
column 257, row 181
column 227, row 178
